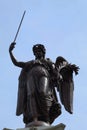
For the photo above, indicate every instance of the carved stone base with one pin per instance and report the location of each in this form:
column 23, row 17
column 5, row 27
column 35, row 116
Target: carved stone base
column 57, row 127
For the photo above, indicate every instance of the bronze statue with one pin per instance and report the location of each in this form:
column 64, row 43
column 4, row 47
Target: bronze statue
column 37, row 99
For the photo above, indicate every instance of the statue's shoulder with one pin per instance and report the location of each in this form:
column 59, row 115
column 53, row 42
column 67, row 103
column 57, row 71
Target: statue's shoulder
column 28, row 64
column 49, row 60
column 50, row 63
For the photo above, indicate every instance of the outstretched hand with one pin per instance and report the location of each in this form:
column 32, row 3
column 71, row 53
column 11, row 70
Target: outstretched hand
column 12, row 46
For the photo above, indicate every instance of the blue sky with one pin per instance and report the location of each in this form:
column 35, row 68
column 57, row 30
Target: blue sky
column 61, row 25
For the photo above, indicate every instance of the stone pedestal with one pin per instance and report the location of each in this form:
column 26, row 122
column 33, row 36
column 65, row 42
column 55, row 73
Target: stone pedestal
column 57, row 127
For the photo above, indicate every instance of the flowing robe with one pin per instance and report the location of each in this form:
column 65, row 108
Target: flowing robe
column 36, row 96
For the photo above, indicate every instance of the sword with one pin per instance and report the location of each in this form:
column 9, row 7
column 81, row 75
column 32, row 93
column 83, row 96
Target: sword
column 19, row 27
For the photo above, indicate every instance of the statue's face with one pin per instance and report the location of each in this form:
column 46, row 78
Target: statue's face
column 38, row 53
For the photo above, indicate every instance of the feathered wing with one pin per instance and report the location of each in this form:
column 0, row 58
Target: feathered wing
column 66, row 85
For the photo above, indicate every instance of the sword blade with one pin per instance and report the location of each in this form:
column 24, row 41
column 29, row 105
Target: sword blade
column 19, row 26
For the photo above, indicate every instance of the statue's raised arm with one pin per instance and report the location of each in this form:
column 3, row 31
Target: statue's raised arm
column 15, row 62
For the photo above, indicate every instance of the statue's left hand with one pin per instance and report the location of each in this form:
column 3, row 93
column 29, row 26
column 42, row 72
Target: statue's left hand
column 12, row 46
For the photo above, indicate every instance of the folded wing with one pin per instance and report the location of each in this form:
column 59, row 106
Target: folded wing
column 66, row 85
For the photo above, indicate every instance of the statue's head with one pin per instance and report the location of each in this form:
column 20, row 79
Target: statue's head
column 39, row 50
